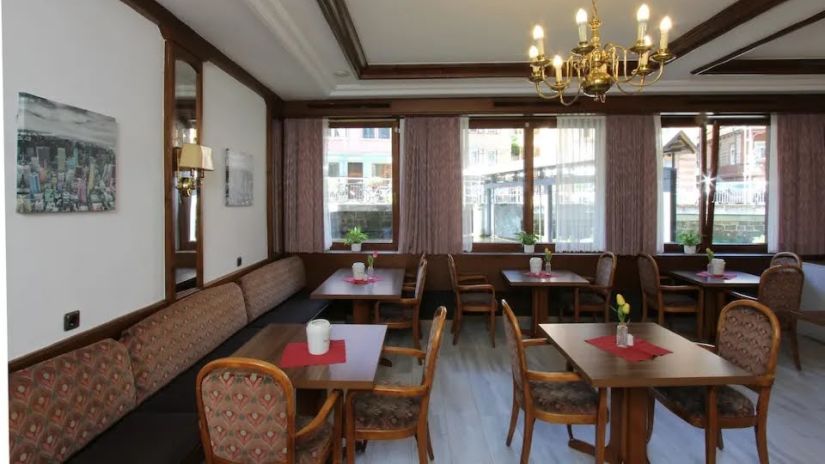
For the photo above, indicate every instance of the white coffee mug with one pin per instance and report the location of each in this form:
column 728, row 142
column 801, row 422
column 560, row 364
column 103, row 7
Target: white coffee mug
column 358, row 270
column 318, row 331
column 535, row 265
column 717, row 266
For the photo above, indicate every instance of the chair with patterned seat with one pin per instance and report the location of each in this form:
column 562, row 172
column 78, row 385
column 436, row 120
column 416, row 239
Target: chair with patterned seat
column 748, row 336
column 246, row 410
column 392, row 412
column 595, row 297
column 786, row 257
column 555, row 397
column 668, row 299
column 404, row 313
column 473, row 294
column 411, row 277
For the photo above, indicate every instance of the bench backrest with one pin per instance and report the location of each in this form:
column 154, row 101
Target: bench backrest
column 270, row 285
column 170, row 341
column 59, row 405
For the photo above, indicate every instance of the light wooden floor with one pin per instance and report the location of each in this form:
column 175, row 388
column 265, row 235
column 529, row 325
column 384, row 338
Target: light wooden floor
column 470, row 409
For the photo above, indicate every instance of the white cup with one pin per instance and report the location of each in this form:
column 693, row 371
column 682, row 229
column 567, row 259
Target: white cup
column 358, row 271
column 535, row 265
column 717, row 266
column 318, row 331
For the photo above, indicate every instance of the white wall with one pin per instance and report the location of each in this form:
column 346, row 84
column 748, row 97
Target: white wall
column 102, row 56
column 233, row 117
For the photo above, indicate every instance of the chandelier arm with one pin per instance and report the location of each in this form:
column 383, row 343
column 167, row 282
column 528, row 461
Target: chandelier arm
column 646, row 82
column 543, row 95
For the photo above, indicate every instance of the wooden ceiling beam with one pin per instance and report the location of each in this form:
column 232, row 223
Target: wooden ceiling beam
column 340, row 22
column 770, row 66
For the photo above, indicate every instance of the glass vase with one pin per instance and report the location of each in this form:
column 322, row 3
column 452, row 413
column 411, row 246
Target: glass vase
column 547, row 267
column 621, row 335
column 370, row 271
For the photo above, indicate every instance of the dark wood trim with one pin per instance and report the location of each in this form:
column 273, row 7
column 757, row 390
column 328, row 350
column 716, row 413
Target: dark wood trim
column 270, row 183
column 498, row 123
column 711, row 175
column 445, row 71
column 726, row 20
column 741, row 51
column 781, row 66
column 529, row 180
column 366, row 246
column 281, row 193
column 177, row 31
column 168, row 170
column 396, row 183
column 199, row 219
column 646, row 104
column 340, row 22
column 701, row 119
column 237, row 274
column 359, row 123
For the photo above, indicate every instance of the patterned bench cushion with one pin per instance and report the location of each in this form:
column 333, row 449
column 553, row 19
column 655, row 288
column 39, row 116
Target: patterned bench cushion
column 166, row 343
column 272, row 284
column 58, row 406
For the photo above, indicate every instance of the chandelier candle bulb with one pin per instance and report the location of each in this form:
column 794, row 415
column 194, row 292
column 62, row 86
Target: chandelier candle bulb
column 643, row 59
column 533, row 53
column 642, row 16
column 538, row 36
column 557, row 62
column 664, row 28
column 581, row 20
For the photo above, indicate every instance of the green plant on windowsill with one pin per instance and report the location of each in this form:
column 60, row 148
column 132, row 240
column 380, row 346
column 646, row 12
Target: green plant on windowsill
column 355, row 237
column 528, row 240
column 689, row 239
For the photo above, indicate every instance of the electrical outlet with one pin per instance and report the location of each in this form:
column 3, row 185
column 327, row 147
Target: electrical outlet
column 239, row 261
column 71, row 320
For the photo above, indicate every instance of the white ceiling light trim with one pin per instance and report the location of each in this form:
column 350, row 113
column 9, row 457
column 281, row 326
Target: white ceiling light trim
column 275, row 16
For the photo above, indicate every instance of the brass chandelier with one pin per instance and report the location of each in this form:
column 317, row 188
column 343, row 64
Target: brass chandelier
column 598, row 67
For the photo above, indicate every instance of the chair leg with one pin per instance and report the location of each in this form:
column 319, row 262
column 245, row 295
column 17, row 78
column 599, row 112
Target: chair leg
column 338, row 416
column 421, row 438
column 430, row 443
column 794, row 344
column 493, row 327
column 651, row 415
column 761, row 442
column 711, row 426
column 513, row 417
column 601, row 426
column 644, row 307
column 576, row 308
column 349, row 425
column 457, row 325
column 529, row 421
column 720, row 441
column 416, row 334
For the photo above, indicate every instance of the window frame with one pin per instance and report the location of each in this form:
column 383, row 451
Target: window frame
column 709, row 167
column 528, row 125
column 393, row 125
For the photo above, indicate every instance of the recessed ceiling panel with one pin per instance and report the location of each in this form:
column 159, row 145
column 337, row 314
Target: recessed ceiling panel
column 476, row 31
column 808, row 42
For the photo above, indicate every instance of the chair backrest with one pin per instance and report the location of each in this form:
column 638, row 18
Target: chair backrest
column 605, row 270
column 786, row 257
column 512, row 331
column 780, row 288
column 269, row 286
column 246, row 409
column 420, row 280
column 453, row 272
column 648, row 275
column 433, row 346
column 748, row 336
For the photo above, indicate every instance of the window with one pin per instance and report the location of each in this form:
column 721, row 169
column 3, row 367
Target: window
column 361, row 182
column 737, row 181
column 504, row 159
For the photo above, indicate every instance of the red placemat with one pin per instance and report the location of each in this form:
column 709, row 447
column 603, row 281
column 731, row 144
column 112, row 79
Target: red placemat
column 368, row 280
column 642, row 350
column 296, row 354
column 726, row 275
column 540, row 275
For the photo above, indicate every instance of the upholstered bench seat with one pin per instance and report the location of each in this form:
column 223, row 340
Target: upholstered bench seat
column 298, row 309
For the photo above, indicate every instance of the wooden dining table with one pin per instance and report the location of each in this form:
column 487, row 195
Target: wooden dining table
column 629, row 382
column 714, row 290
column 540, row 287
column 388, row 286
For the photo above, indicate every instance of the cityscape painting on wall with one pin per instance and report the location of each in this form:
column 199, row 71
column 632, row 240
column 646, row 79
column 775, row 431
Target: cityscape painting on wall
column 238, row 178
column 65, row 158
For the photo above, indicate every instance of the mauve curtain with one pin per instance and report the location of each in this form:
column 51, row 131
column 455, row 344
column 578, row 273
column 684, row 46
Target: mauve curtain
column 431, row 186
column 631, row 192
column 801, row 158
column 303, row 185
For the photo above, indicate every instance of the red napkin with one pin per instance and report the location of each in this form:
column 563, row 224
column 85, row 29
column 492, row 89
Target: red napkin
column 368, row 280
column 726, row 275
column 541, row 275
column 642, row 350
column 296, row 354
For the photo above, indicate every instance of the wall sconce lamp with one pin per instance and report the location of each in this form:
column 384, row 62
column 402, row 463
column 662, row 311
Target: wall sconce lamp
column 197, row 159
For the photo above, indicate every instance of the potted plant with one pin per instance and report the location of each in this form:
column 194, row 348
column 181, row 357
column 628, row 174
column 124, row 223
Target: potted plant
column 528, row 240
column 689, row 239
column 354, row 238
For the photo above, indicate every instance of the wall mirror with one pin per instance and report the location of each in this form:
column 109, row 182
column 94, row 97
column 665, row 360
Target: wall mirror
column 184, row 244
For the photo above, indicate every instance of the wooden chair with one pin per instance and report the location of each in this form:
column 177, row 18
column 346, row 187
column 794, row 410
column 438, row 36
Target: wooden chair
column 404, row 313
column 668, row 298
column 410, row 277
column 786, row 257
column 555, row 397
column 473, row 294
column 246, row 410
column 780, row 289
column 391, row 412
column 748, row 336
column 595, row 298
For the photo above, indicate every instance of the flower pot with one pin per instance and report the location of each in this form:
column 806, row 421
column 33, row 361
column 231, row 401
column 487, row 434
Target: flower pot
column 690, row 249
column 529, row 248
column 621, row 335
column 355, row 247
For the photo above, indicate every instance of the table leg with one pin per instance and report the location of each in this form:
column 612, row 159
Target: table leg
column 540, row 301
column 309, row 402
column 628, row 426
column 714, row 302
column 361, row 311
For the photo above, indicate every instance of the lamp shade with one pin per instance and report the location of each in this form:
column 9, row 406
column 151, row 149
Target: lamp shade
column 194, row 156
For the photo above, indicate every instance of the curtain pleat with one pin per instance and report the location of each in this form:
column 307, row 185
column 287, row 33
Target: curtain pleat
column 801, row 159
column 431, row 186
column 303, row 185
column 631, row 196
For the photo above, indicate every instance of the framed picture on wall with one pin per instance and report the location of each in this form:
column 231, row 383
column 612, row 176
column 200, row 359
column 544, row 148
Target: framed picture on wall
column 238, row 178
column 65, row 158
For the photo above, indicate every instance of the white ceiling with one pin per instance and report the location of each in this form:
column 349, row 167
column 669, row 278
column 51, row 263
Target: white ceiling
column 804, row 43
column 287, row 44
